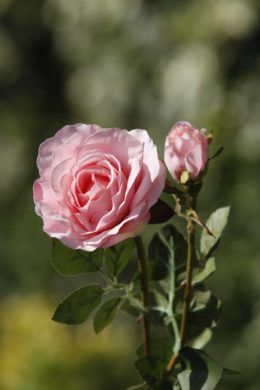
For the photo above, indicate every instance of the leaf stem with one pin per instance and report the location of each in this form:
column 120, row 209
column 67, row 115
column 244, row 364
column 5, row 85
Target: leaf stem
column 144, row 293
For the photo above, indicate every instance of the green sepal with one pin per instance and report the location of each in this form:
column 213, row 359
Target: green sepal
column 71, row 262
column 118, row 256
column 76, row 307
column 216, row 224
column 201, row 372
column 106, row 313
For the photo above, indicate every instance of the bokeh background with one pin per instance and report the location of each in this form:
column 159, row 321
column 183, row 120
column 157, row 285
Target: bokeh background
column 125, row 63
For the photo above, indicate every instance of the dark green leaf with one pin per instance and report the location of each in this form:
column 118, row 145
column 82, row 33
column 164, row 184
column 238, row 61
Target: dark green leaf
column 106, row 314
column 151, row 370
column 216, row 224
column 130, row 309
column 161, row 348
column 205, row 312
column 118, row 256
column 201, row 373
column 160, row 212
column 76, row 308
column 68, row 261
column 158, row 253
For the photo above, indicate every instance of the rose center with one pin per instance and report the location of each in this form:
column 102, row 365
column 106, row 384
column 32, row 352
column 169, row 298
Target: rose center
column 92, row 184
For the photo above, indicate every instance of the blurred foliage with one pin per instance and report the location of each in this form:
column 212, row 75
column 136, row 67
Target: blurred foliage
column 38, row 354
column 129, row 64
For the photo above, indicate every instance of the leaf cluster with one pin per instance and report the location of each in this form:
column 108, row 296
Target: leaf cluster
column 166, row 263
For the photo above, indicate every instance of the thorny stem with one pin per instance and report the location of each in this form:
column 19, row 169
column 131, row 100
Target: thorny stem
column 144, row 293
column 187, row 291
column 188, row 280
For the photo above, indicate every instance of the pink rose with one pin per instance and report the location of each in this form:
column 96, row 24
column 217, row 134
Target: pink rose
column 186, row 151
column 96, row 185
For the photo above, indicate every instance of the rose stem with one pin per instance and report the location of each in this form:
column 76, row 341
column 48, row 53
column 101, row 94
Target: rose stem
column 144, row 293
column 188, row 280
column 187, row 291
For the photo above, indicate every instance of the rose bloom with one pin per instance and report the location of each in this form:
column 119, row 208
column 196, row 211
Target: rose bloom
column 186, row 151
column 96, row 185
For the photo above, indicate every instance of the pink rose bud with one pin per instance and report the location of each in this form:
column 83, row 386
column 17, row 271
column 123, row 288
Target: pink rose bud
column 96, row 185
column 186, row 152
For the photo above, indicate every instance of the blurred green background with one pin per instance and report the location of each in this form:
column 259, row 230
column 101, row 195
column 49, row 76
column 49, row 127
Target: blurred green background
column 130, row 64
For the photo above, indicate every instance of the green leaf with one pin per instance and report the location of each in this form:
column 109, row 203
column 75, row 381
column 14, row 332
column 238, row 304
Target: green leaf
column 106, row 314
column 205, row 312
column 68, row 261
column 76, row 308
column 151, row 370
column 201, row 373
column 160, row 212
column 200, row 273
column 118, row 256
column 130, row 309
column 205, row 272
column 216, row 224
column 161, row 348
column 158, row 253
column 202, row 339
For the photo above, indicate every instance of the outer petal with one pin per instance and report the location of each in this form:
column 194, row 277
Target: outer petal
column 152, row 180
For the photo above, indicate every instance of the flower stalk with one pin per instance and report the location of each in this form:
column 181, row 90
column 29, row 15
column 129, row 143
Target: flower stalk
column 188, row 279
column 188, row 283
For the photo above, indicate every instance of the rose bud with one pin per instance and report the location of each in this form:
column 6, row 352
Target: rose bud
column 186, row 152
column 96, row 185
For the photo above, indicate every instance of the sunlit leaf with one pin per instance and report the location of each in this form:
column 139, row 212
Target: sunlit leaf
column 200, row 273
column 216, row 224
column 205, row 272
column 201, row 340
column 106, row 314
column 68, row 261
column 76, row 307
column 201, row 373
column 205, row 312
